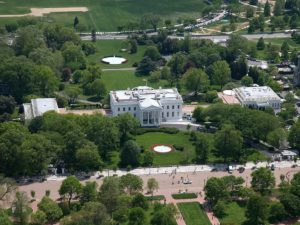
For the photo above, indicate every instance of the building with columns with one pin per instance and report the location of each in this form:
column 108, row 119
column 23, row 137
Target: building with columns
column 150, row 106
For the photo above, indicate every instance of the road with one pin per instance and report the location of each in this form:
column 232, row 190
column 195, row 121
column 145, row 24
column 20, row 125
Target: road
column 216, row 38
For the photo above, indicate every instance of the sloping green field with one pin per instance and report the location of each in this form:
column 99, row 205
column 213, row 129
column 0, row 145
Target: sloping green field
column 106, row 15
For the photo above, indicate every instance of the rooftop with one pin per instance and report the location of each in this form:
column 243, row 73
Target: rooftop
column 39, row 106
column 262, row 93
column 143, row 92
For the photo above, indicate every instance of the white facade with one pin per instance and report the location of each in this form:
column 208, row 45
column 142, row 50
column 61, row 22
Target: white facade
column 38, row 107
column 150, row 106
column 258, row 97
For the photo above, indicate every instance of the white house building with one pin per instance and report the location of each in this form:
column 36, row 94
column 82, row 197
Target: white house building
column 150, row 106
column 38, row 107
column 258, row 97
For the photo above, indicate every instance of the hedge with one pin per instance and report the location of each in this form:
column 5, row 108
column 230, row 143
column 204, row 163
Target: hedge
column 184, row 196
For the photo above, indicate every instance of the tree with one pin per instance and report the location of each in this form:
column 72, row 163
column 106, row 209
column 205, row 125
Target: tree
column 249, row 12
column 277, row 212
column 139, row 200
column 70, row 188
column 38, row 218
column 295, row 184
column 267, row 9
column 110, row 193
column 76, row 22
column 177, row 65
column 285, row 50
column 131, row 184
column 196, row 80
column 8, row 187
column 152, row 20
column 291, row 204
column 277, row 137
column 133, row 46
column 92, row 213
column 260, row 44
column 89, row 48
column 165, row 215
column 88, row 158
column 73, row 56
column 21, row 208
column 50, row 208
column 215, row 190
column 247, row 81
column 257, row 210
column 152, row 185
column 153, row 53
column 45, row 80
column 219, row 209
column 98, row 88
column 94, row 35
column 137, row 216
column 203, row 148
column 127, row 124
column 279, row 7
column 28, row 39
column 294, row 135
column 130, row 154
column 145, row 66
column 7, row 104
column 148, row 158
column 220, row 73
column 89, row 192
column 4, row 218
column 262, row 180
column 228, row 142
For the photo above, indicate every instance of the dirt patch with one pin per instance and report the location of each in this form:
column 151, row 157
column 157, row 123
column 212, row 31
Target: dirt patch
column 42, row 11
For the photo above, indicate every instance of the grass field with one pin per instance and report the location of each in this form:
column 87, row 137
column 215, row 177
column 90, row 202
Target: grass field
column 106, row 15
column 184, row 196
column 121, row 80
column 193, row 214
column 147, row 140
column 113, row 47
column 235, row 213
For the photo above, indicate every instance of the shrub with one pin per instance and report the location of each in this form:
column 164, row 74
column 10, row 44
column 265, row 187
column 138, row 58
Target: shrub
column 178, row 147
column 166, row 130
column 184, row 196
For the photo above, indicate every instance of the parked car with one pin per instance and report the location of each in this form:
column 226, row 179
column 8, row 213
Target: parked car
column 241, row 169
column 273, row 167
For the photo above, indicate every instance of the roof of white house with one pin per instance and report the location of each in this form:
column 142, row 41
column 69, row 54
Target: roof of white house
column 143, row 92
column 39, row 106
column 258, row 63
column 263, row 93
column 148, row 102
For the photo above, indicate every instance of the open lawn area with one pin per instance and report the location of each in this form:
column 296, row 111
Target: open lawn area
column 147, row 140
column 235, row 213
column 193, row 214
column 106, row 15
column 121, row 80
column 113, row 47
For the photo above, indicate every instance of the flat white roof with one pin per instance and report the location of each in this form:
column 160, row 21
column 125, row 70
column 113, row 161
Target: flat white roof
column 42, row 105
column 263, row 93
column 143, row 92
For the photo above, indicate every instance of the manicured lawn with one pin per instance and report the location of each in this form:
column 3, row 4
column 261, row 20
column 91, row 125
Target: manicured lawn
column 121, row 80
column 147, row 140
column 184, row 196
column 234, row 213
column 107, row 15
column 193, row 214
column 113, row 47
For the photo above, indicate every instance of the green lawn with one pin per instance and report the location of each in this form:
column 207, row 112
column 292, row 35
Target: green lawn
column 107, row 15
column 113, row 47
column 121, row 80
column 234, row 213
column 193, row 213
column 147, row 140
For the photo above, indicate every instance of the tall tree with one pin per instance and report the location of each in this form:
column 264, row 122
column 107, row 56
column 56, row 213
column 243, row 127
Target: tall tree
column 285, row 50
column 152, row 185
column 267, row 9
column 262, row 180
column 127, row 124
column 279, row 7
column 89, row 192
column 220, row 73
column 228, row 142
column 94, row 35
column 51, row 209
column 76, row 22
column 196, row 80
column 21, row 208
column 130, row 154
column 70, row 188
column 260, row 44
column 257, row 210
column 203, row 148
column 137, row 216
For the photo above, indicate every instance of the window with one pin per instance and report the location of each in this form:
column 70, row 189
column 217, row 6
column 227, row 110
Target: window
column 134, row 115
column 167, row 114
column 118, row 109
column 124, row 109
column 129, row 109
column 167, row 107
column 177, row 113
column 178, row 107
column 134, row 108
column 162, row 114
column 172, row 106
column 172, row 114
